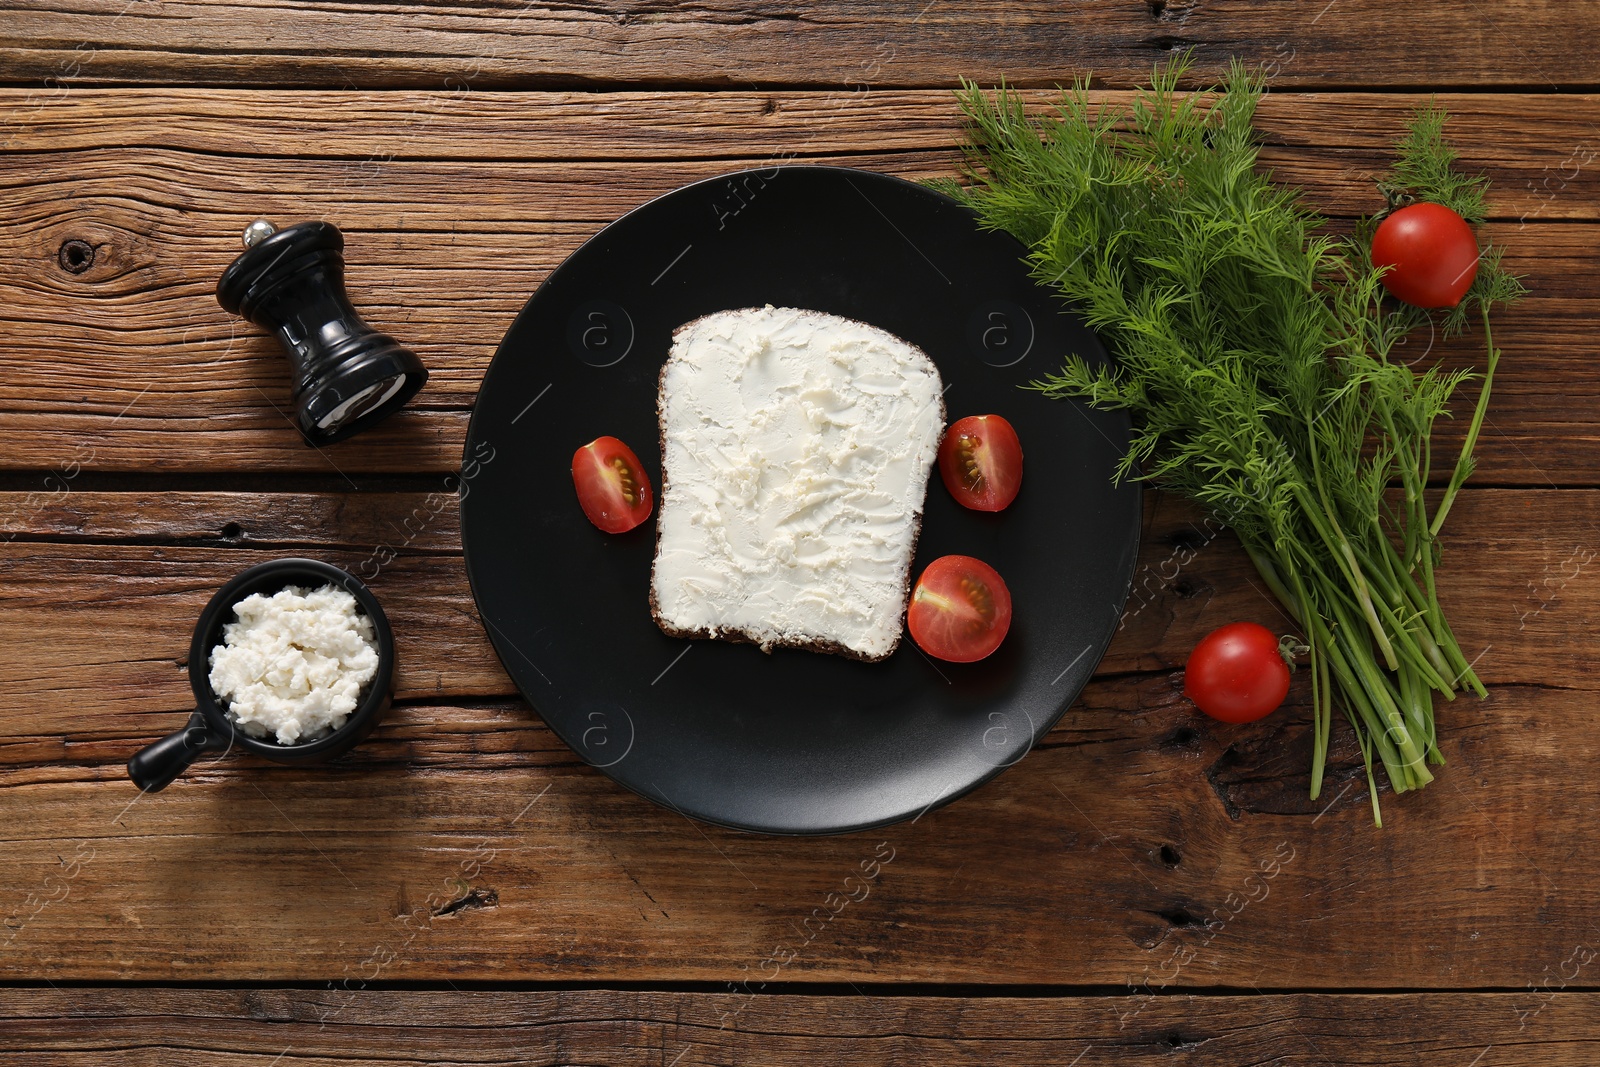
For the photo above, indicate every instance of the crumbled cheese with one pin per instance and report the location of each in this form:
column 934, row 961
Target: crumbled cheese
column 294, row 663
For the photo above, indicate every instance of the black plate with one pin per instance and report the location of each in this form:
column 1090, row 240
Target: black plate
column 793, row 742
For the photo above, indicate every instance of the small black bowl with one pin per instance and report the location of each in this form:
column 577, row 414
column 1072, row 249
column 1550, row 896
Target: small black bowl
column 210, row 729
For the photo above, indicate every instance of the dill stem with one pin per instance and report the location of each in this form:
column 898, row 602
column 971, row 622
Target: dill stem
column 1463, row 675
column 1323, row 722
column 1364, row 716
column 1426, row 618
column 1441, row 644
column 1464, row 460
column 1426, row 539
column 1319, row 732
column 1351, row 659
column 1395, row 615
column 1407, row 469
column 1386, row 621
column 1394, row 740
column 1417, row 705
column 1344, row 558
column 1303, row 611
column 1267, row 568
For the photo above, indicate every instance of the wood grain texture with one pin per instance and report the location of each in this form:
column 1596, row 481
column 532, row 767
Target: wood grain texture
column 1139, row 843
column 121, row 577
column 1108, row 857
column 302, row 1028
column 737, row 43
column 457, row 206
column 1141, row 849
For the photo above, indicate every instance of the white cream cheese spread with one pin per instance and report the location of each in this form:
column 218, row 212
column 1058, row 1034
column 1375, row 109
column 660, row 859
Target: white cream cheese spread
column 294, row 663
column 797, row 448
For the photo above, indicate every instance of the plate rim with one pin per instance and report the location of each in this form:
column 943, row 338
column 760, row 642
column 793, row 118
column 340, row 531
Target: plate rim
column 1135, row 542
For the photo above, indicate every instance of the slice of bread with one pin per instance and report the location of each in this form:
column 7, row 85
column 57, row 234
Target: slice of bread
column 796, row 448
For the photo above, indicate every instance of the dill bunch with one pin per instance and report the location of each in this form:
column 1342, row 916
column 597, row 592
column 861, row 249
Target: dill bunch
column 1258, row 354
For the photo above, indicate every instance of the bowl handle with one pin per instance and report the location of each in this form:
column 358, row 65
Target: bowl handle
column 154, row 767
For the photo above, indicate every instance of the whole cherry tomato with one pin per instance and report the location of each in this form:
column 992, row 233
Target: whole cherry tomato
column 1236, row 673
column 1431, row 254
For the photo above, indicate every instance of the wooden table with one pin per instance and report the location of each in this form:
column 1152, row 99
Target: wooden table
column 1147, row 887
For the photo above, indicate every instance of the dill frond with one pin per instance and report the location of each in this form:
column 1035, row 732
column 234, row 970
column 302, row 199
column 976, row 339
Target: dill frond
column 1258, row 354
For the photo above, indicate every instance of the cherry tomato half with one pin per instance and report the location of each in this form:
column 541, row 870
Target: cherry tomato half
column 980, row 460
column 1236, row 673
column 1431, row 254
column 960, row 609
column 612, row 488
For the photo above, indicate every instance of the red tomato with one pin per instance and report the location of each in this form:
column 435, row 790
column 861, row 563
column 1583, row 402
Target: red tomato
column 612, row 488
column 981, row 461
column 1431, row 253
column 960, row 609
column 1236, row 673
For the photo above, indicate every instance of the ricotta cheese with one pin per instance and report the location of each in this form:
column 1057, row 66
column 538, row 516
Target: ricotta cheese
column 294, row 663
column 796, row 451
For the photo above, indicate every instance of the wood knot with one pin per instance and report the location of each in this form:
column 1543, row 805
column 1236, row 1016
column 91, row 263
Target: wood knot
column 1171, row 10
column 75, row 256
column 1167, row 43
column 476, row 898
column 1187, row 539
column 1182, row 738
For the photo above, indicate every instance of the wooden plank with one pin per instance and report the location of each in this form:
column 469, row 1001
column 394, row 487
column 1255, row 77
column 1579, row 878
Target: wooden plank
column 1537, row 149
column 1115, row 839
column 121, row 577
column 1521, row 140
column 1134, row 826
column 736, row 43
column 130, row 365
column 307, row 1028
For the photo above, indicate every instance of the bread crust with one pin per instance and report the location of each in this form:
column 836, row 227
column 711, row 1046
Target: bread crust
column 744, row 637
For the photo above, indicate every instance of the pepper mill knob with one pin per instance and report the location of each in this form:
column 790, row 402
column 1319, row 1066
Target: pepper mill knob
column 346, row 375
column 257, row 232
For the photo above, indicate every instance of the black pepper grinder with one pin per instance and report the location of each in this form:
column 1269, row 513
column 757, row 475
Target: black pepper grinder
column 347, row 376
